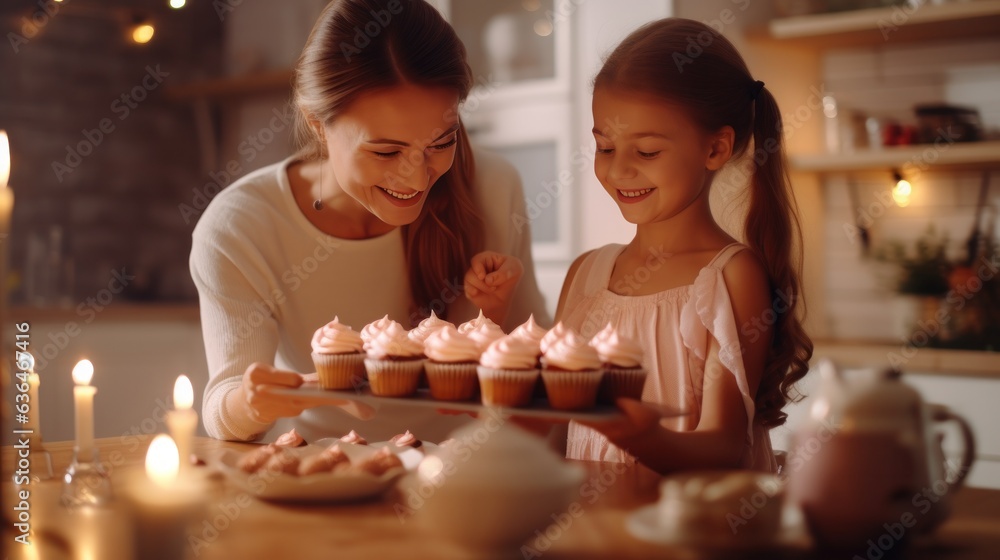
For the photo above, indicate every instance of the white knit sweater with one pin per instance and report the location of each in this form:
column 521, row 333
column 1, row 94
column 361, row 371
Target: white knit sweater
column 267, row 279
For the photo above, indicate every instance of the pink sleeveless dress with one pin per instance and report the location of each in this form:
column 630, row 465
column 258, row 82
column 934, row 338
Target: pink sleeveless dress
column 675, row 328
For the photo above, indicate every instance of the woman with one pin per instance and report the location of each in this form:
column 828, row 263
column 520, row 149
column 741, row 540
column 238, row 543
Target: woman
column 384, row 210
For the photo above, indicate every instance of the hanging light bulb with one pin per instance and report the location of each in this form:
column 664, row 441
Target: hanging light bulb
column 901, row 191
column 177, row 4
column 141, row 30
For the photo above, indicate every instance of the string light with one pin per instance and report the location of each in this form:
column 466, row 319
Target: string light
column 177, row 4
column 143, row 33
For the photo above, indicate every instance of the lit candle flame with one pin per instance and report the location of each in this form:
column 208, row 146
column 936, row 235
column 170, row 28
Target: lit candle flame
column 183, row 393
column 162, row 461
column 83, row 372
column 4, row 159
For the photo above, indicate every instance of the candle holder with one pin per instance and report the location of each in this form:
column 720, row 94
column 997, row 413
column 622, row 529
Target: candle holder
column 86, row 483
column 41, row 462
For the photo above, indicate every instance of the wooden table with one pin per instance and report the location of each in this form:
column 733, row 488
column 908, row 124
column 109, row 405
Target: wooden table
column 239, row 527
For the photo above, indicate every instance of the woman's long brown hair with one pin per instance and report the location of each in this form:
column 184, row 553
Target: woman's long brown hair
column 358, row 46
column 690, row 64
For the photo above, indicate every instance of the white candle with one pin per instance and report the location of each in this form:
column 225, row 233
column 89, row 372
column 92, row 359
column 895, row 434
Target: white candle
column 183, row 420
column 83, row 399
column 34, row 421
column 6, row 194
column 162, row 504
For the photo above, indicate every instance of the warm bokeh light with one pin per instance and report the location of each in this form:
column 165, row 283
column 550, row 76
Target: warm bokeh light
column 543, row 27
column 4, row 159
column 177, row 4
column 162, row 460
column 83, row 372
column 183, row 393
column 430, row 468
column 531, row 5
column 901, row 193
column 142, row 34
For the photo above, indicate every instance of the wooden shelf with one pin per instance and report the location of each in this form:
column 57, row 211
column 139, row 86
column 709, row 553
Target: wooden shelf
column 958, row 156
column 938, row 361
column 234, row 86
column 875, row 26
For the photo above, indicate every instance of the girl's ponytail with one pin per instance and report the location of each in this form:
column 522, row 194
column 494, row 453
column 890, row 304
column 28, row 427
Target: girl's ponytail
column 772, row 231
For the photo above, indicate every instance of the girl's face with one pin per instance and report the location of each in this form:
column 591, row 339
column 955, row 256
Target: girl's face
column 390, row 146
column 652, row 158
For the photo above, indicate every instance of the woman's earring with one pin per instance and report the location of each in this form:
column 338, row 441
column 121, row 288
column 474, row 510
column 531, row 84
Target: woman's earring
column 318, row 203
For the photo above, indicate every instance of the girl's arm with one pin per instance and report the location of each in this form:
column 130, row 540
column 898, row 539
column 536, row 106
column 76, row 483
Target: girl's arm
column 721, row 435
column 564, row 293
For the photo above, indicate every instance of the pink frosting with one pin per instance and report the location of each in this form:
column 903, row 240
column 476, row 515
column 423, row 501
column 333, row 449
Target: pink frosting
column 427, row 327
column 468, row 326
column 529, row 330
column 372, row 329
column 556, row 333
column 485, row 333
column 354, row 438
column 394, row 341
column 509, row 353
column 571, row 352
column 336, row 338
column 290, row 439
column 616, row 350
column 450, row 346
column 406, row 440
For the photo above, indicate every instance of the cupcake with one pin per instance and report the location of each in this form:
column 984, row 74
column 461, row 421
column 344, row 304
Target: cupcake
column 372, row 329
column 427, row 327
column 507, row 372
column 255, row 460
column 622, row 361
column 354, row 438
column 394, row 363
column 406, row 440
column 468, row 326
column 290, row 439
column 451, row 365
column 337, row 354
column 329, row 460
column 484, row 334
column 571, row 371
column 553, row 335
column 530, row 331
column 381, row 462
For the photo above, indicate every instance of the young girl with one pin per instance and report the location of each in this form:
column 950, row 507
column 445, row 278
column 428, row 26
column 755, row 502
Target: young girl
column 716, row 318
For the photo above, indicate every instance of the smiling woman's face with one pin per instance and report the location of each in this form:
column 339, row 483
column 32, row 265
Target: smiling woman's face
column 390, row 146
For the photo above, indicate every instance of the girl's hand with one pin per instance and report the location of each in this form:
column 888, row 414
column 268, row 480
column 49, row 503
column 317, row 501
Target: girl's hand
column 490, row 283
column 639, row 420
column 262, row 405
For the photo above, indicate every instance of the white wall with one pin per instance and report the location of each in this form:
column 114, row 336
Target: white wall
column 599, row 27
column 136, row 363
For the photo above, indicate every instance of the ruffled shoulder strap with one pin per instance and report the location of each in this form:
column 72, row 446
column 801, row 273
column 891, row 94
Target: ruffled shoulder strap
column 709, row 314
column 595, row 271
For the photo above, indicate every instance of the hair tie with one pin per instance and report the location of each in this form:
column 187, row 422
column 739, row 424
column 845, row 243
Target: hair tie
column 755, row 89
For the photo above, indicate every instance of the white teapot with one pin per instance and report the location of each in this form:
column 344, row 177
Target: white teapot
column 867, row 467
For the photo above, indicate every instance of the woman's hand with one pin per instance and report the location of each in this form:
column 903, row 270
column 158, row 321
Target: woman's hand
column 263, row 406
column 639, row 420
column 490, row 283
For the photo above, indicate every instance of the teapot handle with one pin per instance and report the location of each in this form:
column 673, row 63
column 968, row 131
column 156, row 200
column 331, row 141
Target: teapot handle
column 941, row 413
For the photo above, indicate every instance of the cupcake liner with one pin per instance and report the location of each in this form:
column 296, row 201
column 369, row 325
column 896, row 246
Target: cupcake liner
column 506, row 387
column 621, row 382
column 452, row 381
column 572, row 390
column 340, row 371
column 393, row 378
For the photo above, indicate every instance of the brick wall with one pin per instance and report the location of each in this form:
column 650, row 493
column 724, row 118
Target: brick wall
column 114, row 190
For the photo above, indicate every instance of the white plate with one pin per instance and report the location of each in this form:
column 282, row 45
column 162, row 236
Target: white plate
column 321, row 487
column 644, row 524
